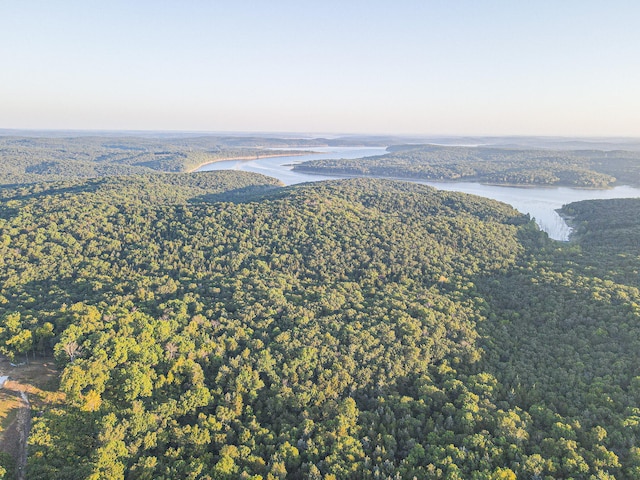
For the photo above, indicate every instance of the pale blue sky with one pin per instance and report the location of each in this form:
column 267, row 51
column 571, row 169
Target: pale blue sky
column 418, row 67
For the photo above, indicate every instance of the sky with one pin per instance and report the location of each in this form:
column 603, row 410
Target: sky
column 450, row 67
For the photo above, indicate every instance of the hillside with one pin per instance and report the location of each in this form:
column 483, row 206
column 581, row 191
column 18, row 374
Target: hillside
column 45, row 159
column 216, row 325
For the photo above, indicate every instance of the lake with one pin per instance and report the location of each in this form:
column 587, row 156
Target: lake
column 540, row 203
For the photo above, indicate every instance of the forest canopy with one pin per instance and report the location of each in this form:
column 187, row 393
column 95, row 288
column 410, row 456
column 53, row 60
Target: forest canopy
column 216, row 325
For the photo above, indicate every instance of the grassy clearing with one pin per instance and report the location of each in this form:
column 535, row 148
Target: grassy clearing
column 9, row 405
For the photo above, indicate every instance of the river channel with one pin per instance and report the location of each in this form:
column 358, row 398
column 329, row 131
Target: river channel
column 540, row 203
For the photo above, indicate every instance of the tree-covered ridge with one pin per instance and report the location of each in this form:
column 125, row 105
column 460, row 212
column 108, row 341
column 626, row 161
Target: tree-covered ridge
column 348, row 329
column 152, row 190
column 576, row 168
column 597, row 223
column 30, row 160
column 607, row 233
column 564, row 334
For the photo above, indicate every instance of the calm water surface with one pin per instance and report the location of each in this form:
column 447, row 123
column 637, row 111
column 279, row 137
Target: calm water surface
column 540, row 203
column 280, row 167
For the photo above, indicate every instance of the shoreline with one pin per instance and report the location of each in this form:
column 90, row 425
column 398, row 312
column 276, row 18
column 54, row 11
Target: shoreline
column 569, row 220
column 249, row 157
column 479, row 182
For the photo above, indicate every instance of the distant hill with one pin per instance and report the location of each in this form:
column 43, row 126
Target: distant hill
column 37, row 159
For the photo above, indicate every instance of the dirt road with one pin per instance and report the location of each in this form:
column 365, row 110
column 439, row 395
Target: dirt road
column 23, row 426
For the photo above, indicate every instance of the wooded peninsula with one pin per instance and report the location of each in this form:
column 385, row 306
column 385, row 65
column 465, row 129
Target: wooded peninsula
column 500, row 166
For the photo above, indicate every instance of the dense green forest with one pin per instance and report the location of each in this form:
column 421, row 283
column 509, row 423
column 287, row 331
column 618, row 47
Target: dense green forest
column 216, row 325
column 506, row 166
column 38, row 159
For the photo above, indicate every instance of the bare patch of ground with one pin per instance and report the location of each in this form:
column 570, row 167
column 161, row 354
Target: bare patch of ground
column 33, row 385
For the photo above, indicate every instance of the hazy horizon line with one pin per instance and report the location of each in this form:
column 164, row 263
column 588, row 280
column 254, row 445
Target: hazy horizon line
column 301, row 134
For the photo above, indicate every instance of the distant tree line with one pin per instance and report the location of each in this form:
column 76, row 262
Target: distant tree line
column 31, row 160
